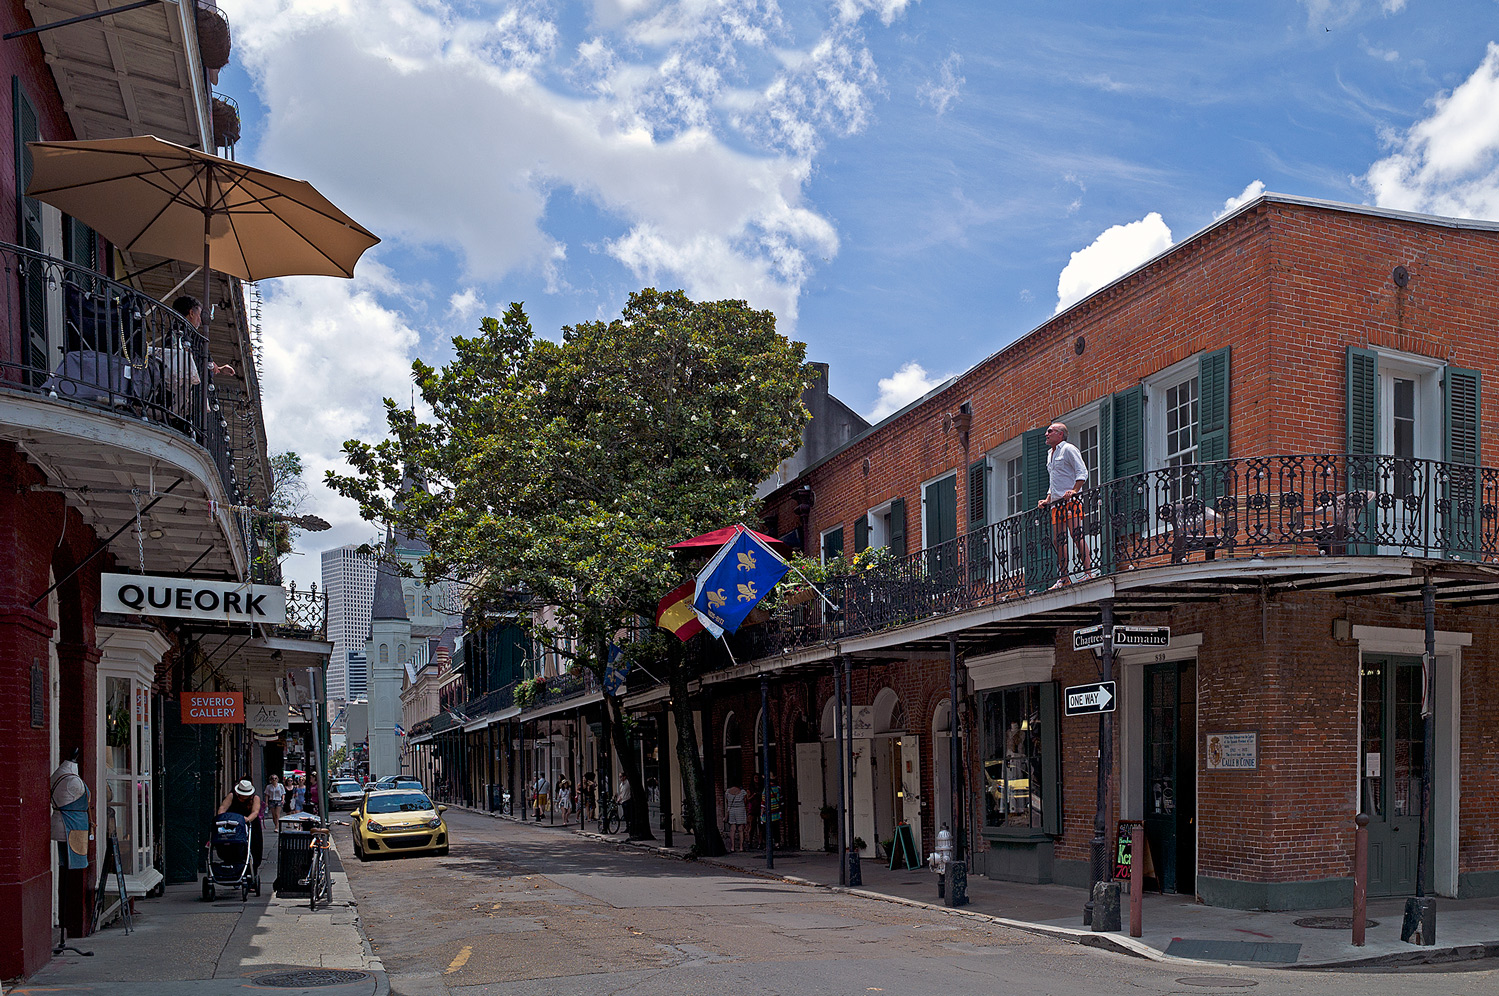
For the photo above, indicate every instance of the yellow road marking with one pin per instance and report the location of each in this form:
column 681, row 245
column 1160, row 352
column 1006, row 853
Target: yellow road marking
column 460, row 960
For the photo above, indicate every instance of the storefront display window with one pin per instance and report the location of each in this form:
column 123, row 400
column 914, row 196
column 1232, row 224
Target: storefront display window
column 1020, row 770
column 126, row 671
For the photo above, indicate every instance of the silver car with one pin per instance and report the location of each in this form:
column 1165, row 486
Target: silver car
column 344, row 793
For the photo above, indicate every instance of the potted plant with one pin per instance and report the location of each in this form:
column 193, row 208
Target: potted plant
column 857, row 844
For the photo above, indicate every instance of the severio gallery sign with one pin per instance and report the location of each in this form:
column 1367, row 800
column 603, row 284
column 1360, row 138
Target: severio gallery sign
column 213, row 707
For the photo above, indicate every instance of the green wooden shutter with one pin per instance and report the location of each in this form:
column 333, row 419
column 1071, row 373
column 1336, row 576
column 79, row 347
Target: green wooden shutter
column 1460, row 417
column 861, row 534
column 941, row 526
column 1212, row 412
column 978, row 519
column 29, row 214
column 1051, row 757
column 1108, row 497
column 1039, row 554
column 1363, row 429
column 898, row 527
column 1129, row 503
column 832, row 544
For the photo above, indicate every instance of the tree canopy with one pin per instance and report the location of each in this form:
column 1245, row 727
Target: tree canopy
column 566, row 469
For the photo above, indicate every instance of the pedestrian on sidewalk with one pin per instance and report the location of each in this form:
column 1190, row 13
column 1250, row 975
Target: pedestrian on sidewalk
column 296, row 795
column 588, row 794
column 622, row 795
column 541, row 795
column 245, row 802
column 752, row 806
column 736, row 810
column 313, row 781
column 775, row 809
column 565, row 799
column 275, row 794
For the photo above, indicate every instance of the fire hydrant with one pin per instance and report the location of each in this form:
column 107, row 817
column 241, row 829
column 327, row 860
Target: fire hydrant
column 941, row 857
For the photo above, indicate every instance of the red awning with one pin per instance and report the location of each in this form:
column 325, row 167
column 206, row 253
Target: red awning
column 718, row 537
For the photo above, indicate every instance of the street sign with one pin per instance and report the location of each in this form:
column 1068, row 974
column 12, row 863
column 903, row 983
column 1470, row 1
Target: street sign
column 1088, row 638
column 1084, row 700
column 1142, row 636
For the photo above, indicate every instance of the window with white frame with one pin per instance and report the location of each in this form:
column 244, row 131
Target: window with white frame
column 879, row 526
column 1087, row 444
column 1180, row 410
column 1014, row 496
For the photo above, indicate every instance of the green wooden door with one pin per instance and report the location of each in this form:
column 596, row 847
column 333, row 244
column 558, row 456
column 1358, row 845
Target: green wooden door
column 1392, row 754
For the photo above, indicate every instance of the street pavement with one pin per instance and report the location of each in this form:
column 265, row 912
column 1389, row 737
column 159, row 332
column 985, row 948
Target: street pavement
column 518, row 909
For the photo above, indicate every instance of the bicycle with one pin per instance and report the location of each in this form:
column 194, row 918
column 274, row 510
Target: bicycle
column 609, row 817
column 319, row 879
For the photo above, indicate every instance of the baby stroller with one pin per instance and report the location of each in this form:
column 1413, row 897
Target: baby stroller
column 229, row 863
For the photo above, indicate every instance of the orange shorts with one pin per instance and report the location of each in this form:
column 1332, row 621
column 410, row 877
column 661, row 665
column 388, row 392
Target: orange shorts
column 1066, row 517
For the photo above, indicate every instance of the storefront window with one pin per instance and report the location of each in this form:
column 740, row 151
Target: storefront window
column 1020, row 778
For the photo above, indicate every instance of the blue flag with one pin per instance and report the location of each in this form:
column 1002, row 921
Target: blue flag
column 735, row 580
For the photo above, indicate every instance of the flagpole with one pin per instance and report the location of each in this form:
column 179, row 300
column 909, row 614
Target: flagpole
column 811, row 585
column 727, row 650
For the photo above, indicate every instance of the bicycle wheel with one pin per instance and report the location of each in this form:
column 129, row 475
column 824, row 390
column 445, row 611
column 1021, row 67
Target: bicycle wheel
column 315, row 878
column 610, row 823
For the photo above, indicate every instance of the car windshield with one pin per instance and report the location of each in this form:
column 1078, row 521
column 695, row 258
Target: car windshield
column 404, row 802
column 346, row 786
column 408, row 783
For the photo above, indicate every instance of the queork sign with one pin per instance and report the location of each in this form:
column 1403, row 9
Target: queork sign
column 193, row 598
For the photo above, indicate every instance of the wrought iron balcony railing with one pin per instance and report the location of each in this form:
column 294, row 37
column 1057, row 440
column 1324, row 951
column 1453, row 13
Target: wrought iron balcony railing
column 87, row 340
column 1276, row 506
column 306, row 614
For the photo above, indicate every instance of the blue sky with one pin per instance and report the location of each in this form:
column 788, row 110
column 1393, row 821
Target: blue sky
column 909, row 184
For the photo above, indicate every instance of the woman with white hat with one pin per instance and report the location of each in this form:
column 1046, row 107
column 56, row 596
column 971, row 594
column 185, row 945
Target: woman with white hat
column 245, row 802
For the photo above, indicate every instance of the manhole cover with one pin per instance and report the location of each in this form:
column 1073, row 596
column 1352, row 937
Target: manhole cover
column 310, row 978
column 1331, row 922
column 1217, row 982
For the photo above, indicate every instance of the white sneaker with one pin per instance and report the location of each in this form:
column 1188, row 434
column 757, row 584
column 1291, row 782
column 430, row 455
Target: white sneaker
column 1059, row 583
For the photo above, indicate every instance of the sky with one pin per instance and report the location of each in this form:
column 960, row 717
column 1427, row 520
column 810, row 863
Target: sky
column 909, row 185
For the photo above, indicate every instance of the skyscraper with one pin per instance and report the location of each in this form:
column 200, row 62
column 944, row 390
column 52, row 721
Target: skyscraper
column 349, row 580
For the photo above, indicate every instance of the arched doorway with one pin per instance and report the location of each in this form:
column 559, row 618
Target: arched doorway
column 942, row 766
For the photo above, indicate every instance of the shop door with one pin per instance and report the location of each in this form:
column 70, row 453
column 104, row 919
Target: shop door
column 1392, row 750
column 1171, row 773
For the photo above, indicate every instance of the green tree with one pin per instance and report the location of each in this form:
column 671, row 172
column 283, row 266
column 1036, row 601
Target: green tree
column 566, row 469
column 285, row 500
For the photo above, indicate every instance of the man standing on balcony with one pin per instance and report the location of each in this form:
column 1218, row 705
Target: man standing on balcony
column 1068, row 476
column 179, row 370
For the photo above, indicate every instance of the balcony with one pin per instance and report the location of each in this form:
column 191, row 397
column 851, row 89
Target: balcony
column 1346, row 524
column 108, row 391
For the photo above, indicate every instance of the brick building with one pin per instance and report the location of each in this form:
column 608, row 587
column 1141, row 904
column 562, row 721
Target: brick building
column 1282, row 417
column 114, row 464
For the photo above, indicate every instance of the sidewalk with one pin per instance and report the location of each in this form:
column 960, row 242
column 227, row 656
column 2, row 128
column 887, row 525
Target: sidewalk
column 1175, row 928
column 181, row 945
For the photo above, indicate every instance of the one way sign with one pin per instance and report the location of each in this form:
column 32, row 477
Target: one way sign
column 1083, row 700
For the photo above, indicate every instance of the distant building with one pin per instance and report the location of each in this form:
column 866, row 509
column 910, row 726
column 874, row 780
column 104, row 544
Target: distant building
column 349, row 581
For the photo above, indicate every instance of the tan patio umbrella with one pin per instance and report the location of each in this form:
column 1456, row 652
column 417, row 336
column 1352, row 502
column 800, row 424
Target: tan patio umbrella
column 152, row 196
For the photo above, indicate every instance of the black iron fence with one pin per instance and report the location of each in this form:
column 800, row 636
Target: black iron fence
column 1277, row 506
column 81, row 338
column 306, row 614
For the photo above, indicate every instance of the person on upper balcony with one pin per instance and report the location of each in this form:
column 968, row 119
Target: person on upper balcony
column 1068, row 476
column 179, row 370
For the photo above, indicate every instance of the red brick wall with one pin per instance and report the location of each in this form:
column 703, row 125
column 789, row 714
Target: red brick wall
column 37, row 533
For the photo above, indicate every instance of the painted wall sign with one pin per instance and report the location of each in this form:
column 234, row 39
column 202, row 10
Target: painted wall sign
column 192, row 598
column 1238, row 751
column 213, row 707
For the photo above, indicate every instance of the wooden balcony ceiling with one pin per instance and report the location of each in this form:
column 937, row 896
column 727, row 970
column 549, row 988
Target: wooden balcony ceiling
column 135, row 73
column 95, row 460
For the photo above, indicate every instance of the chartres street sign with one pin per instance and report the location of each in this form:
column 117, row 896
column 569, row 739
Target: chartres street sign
column 1088, row 638
column 193, row 598
column 1083, row 700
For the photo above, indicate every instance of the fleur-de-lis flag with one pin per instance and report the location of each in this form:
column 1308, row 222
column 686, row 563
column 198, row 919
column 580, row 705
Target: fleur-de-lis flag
column 741, row 574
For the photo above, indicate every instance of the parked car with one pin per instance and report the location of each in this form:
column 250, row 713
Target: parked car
column 344, row 793
column 398, row 821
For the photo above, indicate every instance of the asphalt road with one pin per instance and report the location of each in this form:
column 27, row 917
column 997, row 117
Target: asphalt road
column 517, row 909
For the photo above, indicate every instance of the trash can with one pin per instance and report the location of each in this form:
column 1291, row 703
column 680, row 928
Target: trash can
column 496, row 798
column 293, row 858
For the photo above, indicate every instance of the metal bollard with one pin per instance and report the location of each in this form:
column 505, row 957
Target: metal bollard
column 1136, row 880
column 1360, row 877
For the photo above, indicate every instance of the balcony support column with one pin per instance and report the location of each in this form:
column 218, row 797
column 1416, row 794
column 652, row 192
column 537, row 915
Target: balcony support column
column 1101, row 874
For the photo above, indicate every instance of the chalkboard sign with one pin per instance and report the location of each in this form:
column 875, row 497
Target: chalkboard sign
column 903, row 848
column 1123, row 858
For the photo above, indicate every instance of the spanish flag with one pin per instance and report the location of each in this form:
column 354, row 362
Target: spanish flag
column 676, row 615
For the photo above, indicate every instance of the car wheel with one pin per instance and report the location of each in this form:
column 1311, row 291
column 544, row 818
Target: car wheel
column 359, row 851
column 442, row 851
column 208, row 890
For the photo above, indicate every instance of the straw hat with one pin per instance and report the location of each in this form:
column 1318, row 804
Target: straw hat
column 244, row 787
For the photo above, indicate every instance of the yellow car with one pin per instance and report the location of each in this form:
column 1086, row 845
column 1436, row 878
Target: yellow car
column 398, row 821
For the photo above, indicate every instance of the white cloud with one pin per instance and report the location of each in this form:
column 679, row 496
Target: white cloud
column 946, row 87
column 332, row 351
column 1332, row 13
column 903, row 387
column 1448, row 162
column 1113, row 254
column 1233, row 204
